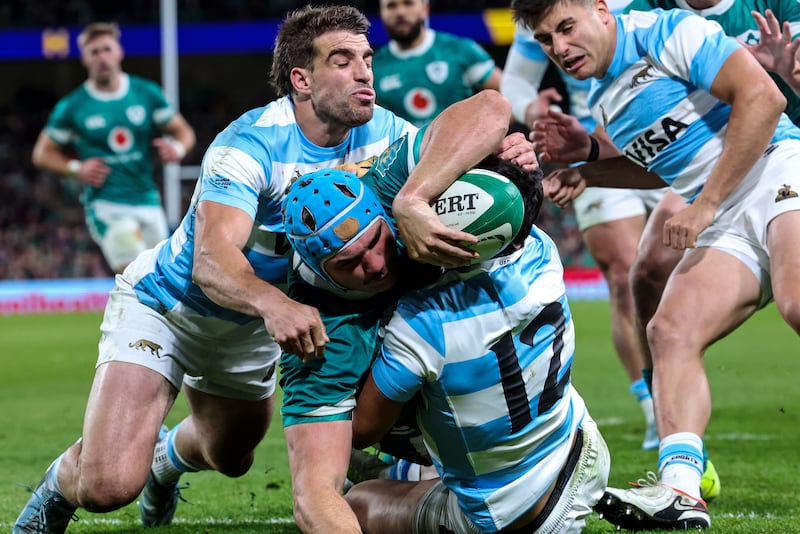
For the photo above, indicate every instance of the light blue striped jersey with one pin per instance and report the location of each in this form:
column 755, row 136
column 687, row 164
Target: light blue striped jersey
column 249, row 166
column 490, row 349
column 655, row 99
column 528, row 47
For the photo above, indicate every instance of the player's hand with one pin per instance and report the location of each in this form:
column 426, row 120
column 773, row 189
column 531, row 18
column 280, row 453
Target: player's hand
column 775, row 51
column 168, row 151
column 297, row 328
column 559, row 137
column 359, row 169
column 562, row 186
column 518, row 150
column 681, row 230
column 93, row 172
column 544, row 102
column 427, row 240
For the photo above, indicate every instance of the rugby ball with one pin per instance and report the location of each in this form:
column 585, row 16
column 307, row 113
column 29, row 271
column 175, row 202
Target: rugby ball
column 485, row 204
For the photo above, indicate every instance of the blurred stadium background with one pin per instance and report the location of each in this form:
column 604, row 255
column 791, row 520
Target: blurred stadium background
column 47, row 260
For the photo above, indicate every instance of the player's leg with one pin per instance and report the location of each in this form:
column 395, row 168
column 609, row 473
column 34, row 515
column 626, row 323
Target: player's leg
column 612, row 222
column 388, row 506
column 108, row 466
column 319, row 454
column 784, row 248
column 134, row 387
column 709, row 294
column 653, row 264
column 230, row 393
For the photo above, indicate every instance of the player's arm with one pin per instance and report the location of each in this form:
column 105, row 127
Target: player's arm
column 458, row 138
column 562, row 186
column 50, row 156
column 756, row 106
column 374, row 415
column 225, row 275
column 493, row 81
column 181, row 139
column 522, row 77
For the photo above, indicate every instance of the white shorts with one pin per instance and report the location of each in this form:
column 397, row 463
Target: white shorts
column 772, row 187
column 207, row 354
column 577, row 491
column 123, row 231
column 598, row 205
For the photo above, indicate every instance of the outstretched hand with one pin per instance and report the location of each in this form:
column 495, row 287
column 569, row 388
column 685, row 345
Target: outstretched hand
column 775, row 51
column 559, row 137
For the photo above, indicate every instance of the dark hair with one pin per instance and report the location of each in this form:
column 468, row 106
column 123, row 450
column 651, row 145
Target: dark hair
column 294, row 45
column 529, row 184
column 530, row 12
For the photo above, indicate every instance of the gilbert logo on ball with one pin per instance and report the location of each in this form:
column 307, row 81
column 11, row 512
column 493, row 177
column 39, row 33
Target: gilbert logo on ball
column 485, row 204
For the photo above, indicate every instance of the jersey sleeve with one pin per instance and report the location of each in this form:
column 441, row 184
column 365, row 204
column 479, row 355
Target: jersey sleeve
column 690, row 47
column 163, row 111
column 406, row 360
column 526, row 65
column 479, row 64
column 231, row 175
column 59, row 125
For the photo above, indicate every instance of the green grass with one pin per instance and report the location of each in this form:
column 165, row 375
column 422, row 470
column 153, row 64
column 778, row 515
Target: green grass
column 47, row 363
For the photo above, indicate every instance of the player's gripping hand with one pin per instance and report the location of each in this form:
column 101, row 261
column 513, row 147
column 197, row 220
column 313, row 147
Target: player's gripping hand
column 518, row 150
column 427, row 240
column 563, row 185
column 297, row 328
column 681, row 230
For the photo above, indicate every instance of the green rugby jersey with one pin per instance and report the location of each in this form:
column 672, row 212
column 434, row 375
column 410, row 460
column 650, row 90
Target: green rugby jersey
column 118, row 127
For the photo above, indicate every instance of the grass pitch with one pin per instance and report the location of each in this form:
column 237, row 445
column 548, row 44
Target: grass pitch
column 47, row 364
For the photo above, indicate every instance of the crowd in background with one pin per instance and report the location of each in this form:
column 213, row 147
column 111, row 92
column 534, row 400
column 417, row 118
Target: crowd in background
column 42, row 229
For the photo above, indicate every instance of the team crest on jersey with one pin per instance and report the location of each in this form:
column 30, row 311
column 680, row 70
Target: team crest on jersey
column 642, row 76
column 437, row 71
column 120, row 139
column 135, row 114
column 420, row 102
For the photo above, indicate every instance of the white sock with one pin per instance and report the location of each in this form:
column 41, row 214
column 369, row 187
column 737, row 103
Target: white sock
column 168, row 464
column 680, row 462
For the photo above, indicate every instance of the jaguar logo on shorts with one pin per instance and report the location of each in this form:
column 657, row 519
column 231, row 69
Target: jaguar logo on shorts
column 144, row 344
column 596, row 205
column 784, row 193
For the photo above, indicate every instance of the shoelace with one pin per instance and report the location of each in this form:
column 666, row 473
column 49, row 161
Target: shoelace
column 651, row 480
column 39, row 520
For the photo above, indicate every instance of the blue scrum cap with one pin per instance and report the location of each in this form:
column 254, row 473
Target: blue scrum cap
column 326, row 210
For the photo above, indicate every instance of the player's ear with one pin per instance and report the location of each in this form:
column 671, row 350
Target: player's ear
column 300, row 80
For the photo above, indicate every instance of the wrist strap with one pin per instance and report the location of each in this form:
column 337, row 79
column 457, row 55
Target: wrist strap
column 594, row 149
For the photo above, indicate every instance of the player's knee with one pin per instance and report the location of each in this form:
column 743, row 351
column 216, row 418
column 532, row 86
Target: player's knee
column 618, row 281
column 233, row 466
column 789, row 309
column 664, row 332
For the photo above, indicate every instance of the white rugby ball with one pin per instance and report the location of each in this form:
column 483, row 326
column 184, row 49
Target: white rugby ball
column 485, row 204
